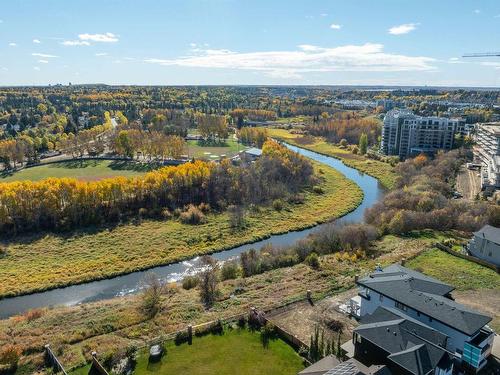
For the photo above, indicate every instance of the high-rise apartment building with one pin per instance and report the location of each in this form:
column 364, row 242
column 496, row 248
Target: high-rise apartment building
column 406, row 134
column 487, row 151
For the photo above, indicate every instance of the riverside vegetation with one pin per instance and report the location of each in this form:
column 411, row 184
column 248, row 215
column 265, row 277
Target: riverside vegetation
column 382, row 171
column 40, row 261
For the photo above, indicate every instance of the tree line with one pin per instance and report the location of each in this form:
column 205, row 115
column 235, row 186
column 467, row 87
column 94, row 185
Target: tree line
column 60, row 204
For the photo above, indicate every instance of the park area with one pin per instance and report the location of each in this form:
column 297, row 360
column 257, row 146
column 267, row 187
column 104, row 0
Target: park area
column 84, row 169
column 200, row 149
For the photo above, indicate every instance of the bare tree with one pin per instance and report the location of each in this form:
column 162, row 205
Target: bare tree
column 208, row 281
column 151, row 296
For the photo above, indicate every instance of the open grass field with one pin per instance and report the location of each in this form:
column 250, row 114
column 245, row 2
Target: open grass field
column 87, row 170
column 382, row 171
column 199, row 150
column 47, row 260
column 461, row 273
column 237, row 351
column 476, row 286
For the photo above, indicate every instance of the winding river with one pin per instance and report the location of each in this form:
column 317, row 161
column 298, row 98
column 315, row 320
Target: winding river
column 131, row 283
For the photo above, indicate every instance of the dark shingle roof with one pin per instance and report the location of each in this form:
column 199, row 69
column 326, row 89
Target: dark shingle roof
column 490, row 233
column 410, row 344
column 354, row 367
column 426, row 295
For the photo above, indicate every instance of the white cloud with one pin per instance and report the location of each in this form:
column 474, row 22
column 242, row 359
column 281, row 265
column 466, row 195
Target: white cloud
column 43, row 61
column 36, row 68
column 324, row 14
column 36, row 41
column 101, row 54
column 455, row 60
column 12, row 44
column 43, row 55
column 75, row 43
column 307, row 58
column 477, row 11
column 402, row 29
column 493, row 64
column 497, row 16
column 99, row 38
column 335, row 26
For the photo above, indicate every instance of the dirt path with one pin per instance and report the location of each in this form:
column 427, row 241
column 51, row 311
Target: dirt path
column 468, row 183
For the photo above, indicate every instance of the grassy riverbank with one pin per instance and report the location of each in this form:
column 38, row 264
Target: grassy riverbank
column 384, row 172
column 112, row 325
column 44, row 261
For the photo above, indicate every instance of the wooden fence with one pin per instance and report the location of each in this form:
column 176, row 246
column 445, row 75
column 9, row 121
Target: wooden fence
column 96, row 367
column 52, row 361
column 468, row 257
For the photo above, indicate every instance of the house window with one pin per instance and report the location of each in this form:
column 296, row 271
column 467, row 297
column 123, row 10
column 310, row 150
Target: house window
column 401, row 306
column 418, row 313
column 430, row 319
column 380, row 297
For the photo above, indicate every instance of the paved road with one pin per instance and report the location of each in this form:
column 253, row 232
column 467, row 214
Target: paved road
column 468, row 183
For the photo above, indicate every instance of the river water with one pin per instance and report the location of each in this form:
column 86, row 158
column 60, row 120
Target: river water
column 131, row 283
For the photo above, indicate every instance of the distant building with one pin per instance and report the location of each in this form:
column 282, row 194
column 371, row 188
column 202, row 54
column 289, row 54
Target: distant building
column 251, row 154
column 387, row 104
column 404, row 134
column 420, row 299
column 83, row 120
column 487, row 151
column 485, row 244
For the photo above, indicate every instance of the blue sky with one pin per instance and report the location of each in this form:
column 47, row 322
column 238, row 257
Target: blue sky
column 172, row 42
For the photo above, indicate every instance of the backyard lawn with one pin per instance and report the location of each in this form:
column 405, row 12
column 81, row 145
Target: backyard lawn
column 201, row 150
column 81, row 169
column 237, row 351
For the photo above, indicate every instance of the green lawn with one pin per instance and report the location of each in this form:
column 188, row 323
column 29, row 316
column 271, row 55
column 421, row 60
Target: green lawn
column 461, row 273
column 81, row 169
column 200, row 150
column 237, row 351
column 384, row 172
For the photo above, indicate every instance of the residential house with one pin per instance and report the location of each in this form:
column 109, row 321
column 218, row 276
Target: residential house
column 485, row 244
column 428, row 301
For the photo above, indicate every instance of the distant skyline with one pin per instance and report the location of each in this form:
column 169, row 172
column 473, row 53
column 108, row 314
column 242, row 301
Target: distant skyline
column 258, row 42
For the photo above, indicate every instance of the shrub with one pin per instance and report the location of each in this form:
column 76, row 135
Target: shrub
column 236, row 216
column 9, row 355
column 151, row 296
column 3, row 252
column 313, row 260
column 33, row 314
column 297, row 198
column 193, row 215
column 143, row 212
column 355, row 150
column 204, row 207
column 166, row 214
column 343, row 142
column 242, row 322
column 190, row 282
column 318, row 189
column 278, row 204
column 229, row 270
column 267, row 333
column 208, row 281
column 181, row 337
